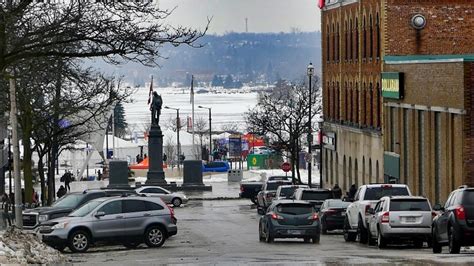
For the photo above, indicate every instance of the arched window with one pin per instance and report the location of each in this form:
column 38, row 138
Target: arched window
column 364, row 39
column 334, row 43
column 326, row 99
column 351, row 40
column 371, row 105
column 379, row 106
column 364, row 105
column 371, row 32
column 350, row 104
column 357, row 107
column 346, row 102
column 338, row 42
column 337, row 105
column 328, row 47
column 356, row 39
column 377, row 29
column 346, row 42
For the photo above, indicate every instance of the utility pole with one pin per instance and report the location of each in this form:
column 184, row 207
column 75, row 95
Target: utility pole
column 16, row 153
column 310, row 72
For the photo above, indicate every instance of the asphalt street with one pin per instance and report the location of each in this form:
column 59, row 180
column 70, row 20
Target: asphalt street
column 226, row 232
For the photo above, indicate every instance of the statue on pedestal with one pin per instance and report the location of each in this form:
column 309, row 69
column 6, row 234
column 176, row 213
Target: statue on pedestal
column 155, row 108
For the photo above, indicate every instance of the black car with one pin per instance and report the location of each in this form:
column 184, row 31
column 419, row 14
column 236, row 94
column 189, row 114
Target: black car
column 32, row 218
column 290, row 219
column 454, row 226
column 332, row 214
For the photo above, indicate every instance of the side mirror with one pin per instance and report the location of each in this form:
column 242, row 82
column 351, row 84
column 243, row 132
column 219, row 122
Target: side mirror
column 371, row 211
column 438, row 207
column 99, row 214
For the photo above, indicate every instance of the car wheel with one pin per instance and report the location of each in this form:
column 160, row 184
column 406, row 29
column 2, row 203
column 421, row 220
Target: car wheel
column 268, row 237
column 454, row 247
column 154, row 237
column 79, row 241
column 370, row 239
column 316, row 239
column 131, row 245
column 348, row 236
column 260, row 235
column 437, row 248
column 176, row 202
column 381, row 241
column 362, row 232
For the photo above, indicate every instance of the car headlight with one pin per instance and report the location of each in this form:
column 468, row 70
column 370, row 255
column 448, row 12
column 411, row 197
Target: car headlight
column 43, row 218
column 59, row 226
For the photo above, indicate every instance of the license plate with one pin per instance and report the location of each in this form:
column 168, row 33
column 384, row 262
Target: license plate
column 294, row 232
column 410, row 219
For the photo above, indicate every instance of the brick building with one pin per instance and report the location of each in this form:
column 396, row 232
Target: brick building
column 420, row 132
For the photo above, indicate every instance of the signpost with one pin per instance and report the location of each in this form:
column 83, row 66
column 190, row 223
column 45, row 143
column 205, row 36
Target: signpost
column 286, row 167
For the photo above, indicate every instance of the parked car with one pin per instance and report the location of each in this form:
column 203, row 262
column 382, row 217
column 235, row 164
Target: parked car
column 32, row 218
column 315, row 196
column 216, row 166
column 355, row 222
column 290, row 219
column 398, row 219
column 128, row 220
column 167, row 196
column 454, row 226
column 268, row 192
column 332, row 214
column 287, row 191
column 250, row 190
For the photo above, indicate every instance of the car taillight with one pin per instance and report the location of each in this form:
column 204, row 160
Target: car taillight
column 277, row 217
column 330, row 212
column 433, row 215
column 460, row 213
column 386, row 186
column 171, row 212
column 367, row 207
column 241, row 188
column 385, row 217
column 314, row 217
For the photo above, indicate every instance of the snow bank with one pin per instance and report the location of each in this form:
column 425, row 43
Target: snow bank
column 17, row 247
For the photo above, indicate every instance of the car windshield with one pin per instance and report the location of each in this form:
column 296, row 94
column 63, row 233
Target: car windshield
column 287, row 192
column 338, row 204
column 69, row 201
column 316, row 195
column 85, row 209
column 409, row 205
column 375, row 193
column 274, row 186
column 468, row 197
column 295, row 209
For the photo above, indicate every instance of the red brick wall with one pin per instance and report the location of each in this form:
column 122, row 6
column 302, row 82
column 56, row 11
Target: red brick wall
column 469, row 124
column 449, row 28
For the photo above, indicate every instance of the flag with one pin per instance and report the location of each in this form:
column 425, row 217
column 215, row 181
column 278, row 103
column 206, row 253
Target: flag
column 191, row 99
column 322, row 3
column 151, row 91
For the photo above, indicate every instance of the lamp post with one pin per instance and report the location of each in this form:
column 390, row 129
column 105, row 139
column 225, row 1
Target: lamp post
column 210, row 129
column 321, row 144
column 310, row 72
column 178, row 127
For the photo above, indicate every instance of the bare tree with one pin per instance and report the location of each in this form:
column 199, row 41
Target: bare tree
column 283, row 116
column 170, row 150
column 230, row 128
column 173, row 125
column 201, row 127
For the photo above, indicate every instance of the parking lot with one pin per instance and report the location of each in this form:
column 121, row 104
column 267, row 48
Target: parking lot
column 226, row 232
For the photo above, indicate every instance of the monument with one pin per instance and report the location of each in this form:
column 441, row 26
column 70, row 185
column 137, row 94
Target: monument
column 156, row 175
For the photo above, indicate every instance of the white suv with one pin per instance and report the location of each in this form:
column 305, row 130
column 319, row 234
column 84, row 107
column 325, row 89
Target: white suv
column 355, row 223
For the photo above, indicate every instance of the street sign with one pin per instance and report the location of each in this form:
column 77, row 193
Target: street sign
column 286, row 167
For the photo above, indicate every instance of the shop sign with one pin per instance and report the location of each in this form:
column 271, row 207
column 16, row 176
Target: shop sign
column 392, row 85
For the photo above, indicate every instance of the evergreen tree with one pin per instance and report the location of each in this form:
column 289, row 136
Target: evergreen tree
column 229, row 82
column 216, row 81
column 119, row 121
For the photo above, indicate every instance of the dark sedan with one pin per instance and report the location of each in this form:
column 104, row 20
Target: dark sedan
column 290, row 219
column 332, row 214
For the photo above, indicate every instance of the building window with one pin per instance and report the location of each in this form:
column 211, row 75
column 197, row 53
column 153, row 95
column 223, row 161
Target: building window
column 406, row 141
column 364, row 105
column 351, row 103
column 371, row 105
column 338, row 99
column 437, row 157
column 346, row 42
column 364, row 40
column 356, row 39
column 351, row 40
column 338, row 43
column 371, row 41
column 328, row 47
column 379, row 106
column 333, row 43
column 421, row 153
column 357, row 107
column 377, row 28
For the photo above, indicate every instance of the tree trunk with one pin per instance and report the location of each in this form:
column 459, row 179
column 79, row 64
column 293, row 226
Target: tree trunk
column 27, row 167
column 298, row 160
column 42, row 179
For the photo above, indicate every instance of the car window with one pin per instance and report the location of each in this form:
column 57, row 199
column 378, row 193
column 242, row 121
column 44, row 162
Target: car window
column 356, row 197
column 274, row 186
column 295, row 209
column 377, row 207
column 409, row 205
column 151, row 206
column 316, row 195
column 448, row 202
column 113, row 207
column 153, row 190
column 69, row 201
column 287, row 191
column 86, row 208
column 133, row 206
column 468, row 198
column 376, row 193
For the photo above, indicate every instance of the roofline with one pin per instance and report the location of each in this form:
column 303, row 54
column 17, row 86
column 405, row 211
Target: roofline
column 427, row 59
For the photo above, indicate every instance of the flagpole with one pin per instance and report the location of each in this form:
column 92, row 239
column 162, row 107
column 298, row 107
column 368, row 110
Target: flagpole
column 192, row 115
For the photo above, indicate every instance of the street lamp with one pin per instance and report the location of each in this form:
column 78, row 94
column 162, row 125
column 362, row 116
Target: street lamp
column 321, row 144
column 178, row 127
column 310, row 73
column 210, row 129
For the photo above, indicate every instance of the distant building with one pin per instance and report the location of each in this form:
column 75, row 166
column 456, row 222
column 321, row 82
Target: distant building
column 416, row 60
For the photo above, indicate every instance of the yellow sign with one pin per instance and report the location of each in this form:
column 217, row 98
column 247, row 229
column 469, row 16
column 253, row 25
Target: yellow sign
column 254, row 161
column 392, row 85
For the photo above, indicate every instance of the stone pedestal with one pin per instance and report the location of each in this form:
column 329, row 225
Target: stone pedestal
column 118, row 175
column 156, row 175
column 192, row 177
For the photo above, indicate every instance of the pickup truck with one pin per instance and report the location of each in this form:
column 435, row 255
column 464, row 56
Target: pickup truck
column 356, row 220
column 265, row 197
column 250, row 189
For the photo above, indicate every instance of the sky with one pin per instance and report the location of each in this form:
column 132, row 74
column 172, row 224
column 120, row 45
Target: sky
column 229, row 15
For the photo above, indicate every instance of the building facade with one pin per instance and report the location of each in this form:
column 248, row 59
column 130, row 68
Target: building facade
column 397, row 82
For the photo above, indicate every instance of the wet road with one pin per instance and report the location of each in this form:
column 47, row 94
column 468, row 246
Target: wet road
column 226, row 232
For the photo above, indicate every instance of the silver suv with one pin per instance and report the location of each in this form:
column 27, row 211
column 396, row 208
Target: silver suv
column 128, row 220
column 400, row 218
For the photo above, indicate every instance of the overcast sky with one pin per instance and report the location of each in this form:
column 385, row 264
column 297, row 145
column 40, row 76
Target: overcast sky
column 229, row 15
